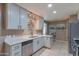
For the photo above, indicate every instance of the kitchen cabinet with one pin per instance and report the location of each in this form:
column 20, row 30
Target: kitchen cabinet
column 41, row 23
column 13, row 50
column 16, row 17
column 38, row 43
column 12, row 16
column 41, row 40
column 47, row 42
column 23, row 17
column 35, row 45
column 51, row 29
column 60, row 26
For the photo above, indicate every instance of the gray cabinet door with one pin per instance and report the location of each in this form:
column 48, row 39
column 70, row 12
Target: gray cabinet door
column 15, row 50
column 41, row 23
column 42, row 41
column 12, row 16
column 47, row 42
column 35, row 45
column 8, row 16
column 39, row 43
column 23, row 18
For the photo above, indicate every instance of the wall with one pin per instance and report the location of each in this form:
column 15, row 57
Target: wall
column 12, row 32
column 63, row 33
column 0, row 17
column 1, row 38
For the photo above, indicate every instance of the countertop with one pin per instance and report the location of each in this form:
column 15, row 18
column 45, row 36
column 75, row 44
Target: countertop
column 20, row 39
column 76, row 40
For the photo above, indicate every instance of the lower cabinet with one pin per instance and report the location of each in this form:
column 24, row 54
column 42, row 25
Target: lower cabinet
column 14, row 50
column 42, row 42
column 47, row 42
column 37, row 44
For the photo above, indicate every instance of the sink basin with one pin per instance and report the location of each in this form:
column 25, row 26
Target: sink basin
column 33, row 36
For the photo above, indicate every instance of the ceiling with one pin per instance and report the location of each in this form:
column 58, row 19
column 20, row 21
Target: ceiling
column 63, row 9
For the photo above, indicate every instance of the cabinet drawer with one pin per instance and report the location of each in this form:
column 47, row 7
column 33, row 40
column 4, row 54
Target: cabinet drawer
column 16, row 47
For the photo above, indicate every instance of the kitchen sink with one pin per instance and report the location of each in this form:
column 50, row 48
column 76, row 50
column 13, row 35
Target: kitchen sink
column 33, row 36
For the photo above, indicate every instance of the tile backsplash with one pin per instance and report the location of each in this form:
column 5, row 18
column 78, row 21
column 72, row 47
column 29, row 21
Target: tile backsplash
column 12, row 32
column 18, row 32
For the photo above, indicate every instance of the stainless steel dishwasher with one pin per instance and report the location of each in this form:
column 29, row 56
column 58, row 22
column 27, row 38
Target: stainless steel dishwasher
column 27, row 48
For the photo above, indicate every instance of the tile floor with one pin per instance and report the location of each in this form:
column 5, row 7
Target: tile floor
column 58, row 49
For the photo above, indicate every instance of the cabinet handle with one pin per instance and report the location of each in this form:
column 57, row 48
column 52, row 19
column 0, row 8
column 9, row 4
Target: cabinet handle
column 18, row 27
column 37, row 42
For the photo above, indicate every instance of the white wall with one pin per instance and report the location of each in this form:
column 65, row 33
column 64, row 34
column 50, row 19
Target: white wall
column 45, row 28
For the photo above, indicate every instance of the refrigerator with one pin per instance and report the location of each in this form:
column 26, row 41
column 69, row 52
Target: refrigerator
column 73, row 32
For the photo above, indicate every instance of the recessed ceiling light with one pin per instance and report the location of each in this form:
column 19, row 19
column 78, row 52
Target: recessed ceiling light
column 54, row 12
column 49, row 5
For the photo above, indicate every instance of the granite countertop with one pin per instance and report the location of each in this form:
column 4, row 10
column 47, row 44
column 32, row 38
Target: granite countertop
column 76, row 41
column 20, row 39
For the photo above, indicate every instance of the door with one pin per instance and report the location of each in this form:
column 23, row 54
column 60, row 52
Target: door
column 41, row 42
column 47, row 42
column 12, row 16
column 23, row 18
column 35, row 45
column 41, row 23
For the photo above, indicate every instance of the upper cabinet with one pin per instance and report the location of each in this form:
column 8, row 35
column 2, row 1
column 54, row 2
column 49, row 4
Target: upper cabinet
column 12, row 16
column 16, row 17
column 60, row 26
column 19, row 18
column 41, row 23
column 23, row 16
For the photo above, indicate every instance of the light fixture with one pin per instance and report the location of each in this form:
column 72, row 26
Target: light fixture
column 49, row 5
column 54, row 12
